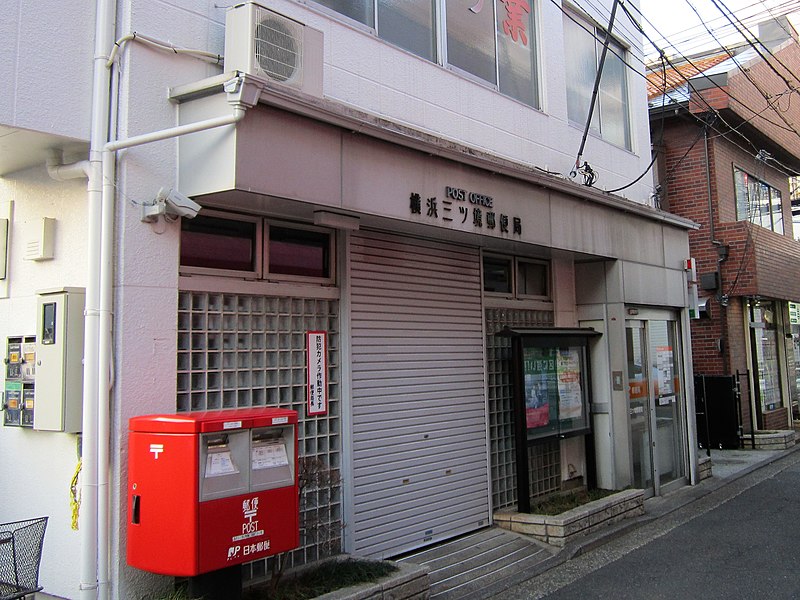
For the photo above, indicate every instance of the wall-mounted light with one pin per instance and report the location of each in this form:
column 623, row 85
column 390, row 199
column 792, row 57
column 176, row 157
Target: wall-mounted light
column 336, row 220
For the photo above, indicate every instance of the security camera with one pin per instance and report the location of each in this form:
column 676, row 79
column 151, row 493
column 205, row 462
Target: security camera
column 177, row 204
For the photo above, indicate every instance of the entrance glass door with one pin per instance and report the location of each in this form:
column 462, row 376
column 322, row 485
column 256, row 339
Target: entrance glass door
column 655, row 397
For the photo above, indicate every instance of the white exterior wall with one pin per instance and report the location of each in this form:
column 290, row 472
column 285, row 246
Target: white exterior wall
column 146, row 278
column 364, row 71
column 47, row 65
column 37, row 466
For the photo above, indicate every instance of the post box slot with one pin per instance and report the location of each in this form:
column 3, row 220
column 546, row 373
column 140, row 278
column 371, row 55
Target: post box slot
column 270, row 462
column 223, row 464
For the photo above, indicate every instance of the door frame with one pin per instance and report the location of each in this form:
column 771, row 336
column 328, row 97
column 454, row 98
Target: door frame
column 640, row 317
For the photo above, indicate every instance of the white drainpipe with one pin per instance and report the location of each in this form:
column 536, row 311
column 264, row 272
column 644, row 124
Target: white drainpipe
column 105, row 327
column 90, row 550
column 100, row 169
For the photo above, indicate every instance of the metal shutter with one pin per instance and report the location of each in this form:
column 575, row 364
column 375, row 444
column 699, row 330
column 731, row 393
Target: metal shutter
column 420, row 470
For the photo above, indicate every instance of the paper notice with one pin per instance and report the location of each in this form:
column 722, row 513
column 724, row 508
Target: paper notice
column 269, row 455
column 220, row 463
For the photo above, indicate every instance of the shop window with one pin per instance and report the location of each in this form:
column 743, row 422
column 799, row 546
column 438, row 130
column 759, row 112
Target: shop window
column 471, row 39
column 516, row 277
column 516, row 52
column 494, row 42
column 757, row 202
column 583, row 47
column 231, row 244
column 255, row 248
column 409, row 24
column 497, row 275
column 299, row 252
column 358, row 10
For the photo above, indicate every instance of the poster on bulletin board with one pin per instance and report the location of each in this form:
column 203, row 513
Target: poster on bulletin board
column 554, row 388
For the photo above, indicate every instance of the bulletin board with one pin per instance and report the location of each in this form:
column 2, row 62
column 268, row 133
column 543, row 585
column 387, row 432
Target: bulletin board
column 552, row 392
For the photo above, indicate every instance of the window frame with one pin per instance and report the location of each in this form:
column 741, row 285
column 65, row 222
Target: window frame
column 547, row 275
column 280, row 277
column 616, row 46
column 497, row 257
column 440, row 44
column 515, row 262
column 257, row 249
column 261, row 252
column 749, row 217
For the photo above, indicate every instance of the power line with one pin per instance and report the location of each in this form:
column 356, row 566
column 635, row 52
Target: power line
column 745, row 72
column 690, row 39
column 691, row 87
column 755, row 46
column 688, row 82
column 699, row 96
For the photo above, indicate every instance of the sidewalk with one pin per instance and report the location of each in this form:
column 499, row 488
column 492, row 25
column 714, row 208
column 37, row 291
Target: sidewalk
column 483, row 564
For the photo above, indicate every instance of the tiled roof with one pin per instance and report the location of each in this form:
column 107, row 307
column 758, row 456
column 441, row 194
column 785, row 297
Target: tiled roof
column 676, row 77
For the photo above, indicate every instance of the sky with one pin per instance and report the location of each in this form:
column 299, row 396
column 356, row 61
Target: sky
column 673, row 22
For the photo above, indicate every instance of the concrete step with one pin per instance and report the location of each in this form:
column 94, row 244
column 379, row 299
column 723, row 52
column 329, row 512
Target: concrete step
column 471, row 565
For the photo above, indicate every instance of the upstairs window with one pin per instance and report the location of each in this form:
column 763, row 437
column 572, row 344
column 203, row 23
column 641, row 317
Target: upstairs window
column 493, row 41
column 583, row 47
column 757, row 202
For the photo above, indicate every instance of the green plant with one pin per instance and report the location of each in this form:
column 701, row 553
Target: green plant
column 178, row 594
column 321, row 579
column 555, row 505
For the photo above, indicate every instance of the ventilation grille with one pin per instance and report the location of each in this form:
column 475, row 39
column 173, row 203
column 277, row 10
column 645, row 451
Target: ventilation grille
column 278, row 49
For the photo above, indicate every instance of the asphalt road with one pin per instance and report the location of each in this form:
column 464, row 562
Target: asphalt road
column 740, row 542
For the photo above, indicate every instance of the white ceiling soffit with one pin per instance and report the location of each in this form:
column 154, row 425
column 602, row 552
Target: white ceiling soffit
column 22, row 149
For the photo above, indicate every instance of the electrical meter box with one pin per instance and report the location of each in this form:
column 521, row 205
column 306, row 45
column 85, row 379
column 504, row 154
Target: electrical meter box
column 59, row 360
column 210, row 490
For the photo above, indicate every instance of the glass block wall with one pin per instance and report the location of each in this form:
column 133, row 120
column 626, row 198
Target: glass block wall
column 238, row 351
column 544, row 459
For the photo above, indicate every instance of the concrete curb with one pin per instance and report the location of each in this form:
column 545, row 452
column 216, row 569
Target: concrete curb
column 655, row 508
column 658, row 507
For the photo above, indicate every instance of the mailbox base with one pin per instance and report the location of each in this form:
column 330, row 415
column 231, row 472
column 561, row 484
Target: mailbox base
column 222, row 584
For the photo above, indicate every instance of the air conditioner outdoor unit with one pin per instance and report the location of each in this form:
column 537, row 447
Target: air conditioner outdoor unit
column 266, row 44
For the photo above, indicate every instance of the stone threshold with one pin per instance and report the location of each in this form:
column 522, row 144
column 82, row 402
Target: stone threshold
column 559, row 530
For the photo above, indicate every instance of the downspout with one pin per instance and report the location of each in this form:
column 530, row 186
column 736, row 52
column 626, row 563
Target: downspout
column 102, row 382
column 90, row 574
column 97, row 354
column 722, row 250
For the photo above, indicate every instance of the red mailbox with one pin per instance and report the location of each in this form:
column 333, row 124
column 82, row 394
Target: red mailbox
column 210, row 490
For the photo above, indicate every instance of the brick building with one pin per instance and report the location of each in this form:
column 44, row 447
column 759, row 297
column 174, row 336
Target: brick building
column 728, row 142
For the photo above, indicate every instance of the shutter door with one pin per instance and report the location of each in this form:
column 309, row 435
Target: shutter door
column 420, row 468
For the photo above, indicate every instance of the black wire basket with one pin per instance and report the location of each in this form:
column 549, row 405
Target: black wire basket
column 20, row 554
